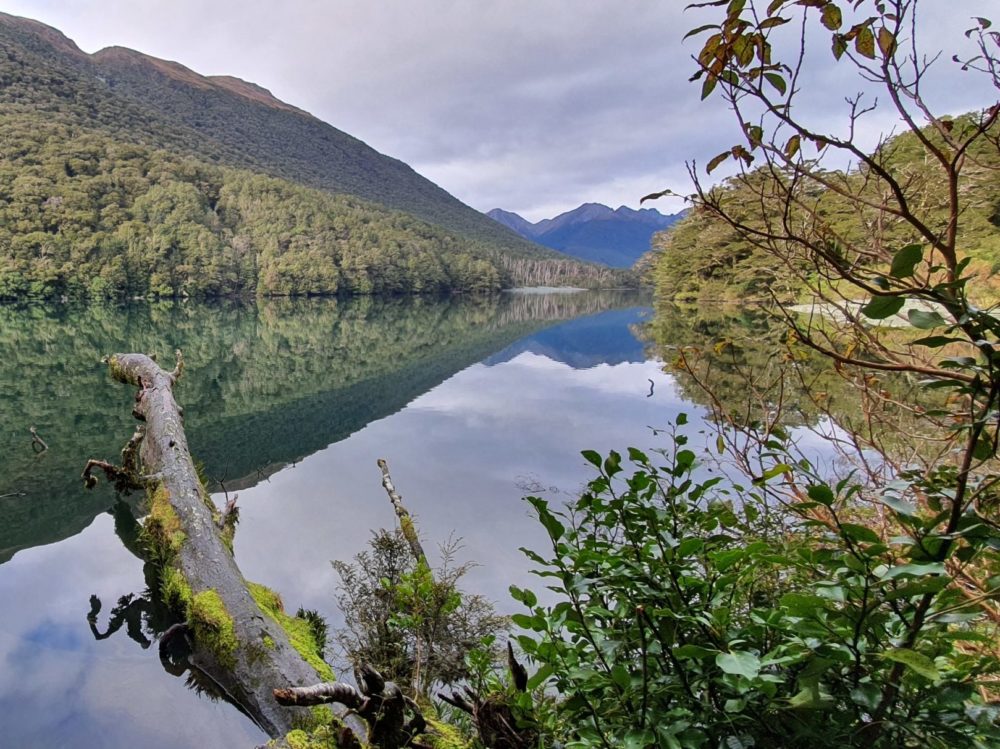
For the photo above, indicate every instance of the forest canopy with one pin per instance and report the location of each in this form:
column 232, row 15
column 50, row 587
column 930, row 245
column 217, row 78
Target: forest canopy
column 85, row 215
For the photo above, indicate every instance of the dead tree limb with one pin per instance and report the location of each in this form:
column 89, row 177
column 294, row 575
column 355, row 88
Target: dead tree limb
column 37, row 443
column 500, row 722
column 379, row 702
column 236, row 643
column 405, row 521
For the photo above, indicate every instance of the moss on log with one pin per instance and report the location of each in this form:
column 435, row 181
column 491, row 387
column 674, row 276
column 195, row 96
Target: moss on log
column 245, row 648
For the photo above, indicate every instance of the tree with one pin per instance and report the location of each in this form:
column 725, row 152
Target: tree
column 799, row 608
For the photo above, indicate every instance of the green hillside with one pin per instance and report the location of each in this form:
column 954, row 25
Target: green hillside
column 124, row 175
column 703, row 259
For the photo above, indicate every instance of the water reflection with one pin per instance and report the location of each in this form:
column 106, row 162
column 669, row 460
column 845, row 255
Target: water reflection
column 474, row 404
column 266, row 385
column 323, row 385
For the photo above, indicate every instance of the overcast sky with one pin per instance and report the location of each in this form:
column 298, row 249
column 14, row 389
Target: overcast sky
column 533, row 106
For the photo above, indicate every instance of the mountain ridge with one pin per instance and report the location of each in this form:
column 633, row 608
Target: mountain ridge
column 595, row 232
column 235, row 122
column 129, row 175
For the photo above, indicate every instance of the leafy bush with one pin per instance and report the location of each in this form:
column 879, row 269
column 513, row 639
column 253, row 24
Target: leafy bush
column 695, row 614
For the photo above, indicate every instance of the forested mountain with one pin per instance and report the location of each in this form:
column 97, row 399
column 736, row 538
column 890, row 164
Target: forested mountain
column 703, row 259
column 123, row 175
column 593, row 231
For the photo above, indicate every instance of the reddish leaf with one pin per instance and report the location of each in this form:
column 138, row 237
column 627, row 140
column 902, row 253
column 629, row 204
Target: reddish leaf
column 770, row 23
column 886, row 41
column 716, row 161
column 698, row 30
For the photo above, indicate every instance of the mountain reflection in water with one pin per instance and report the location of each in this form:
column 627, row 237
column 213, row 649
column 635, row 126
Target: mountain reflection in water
column 290, row 403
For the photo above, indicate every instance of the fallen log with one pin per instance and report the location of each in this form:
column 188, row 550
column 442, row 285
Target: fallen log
column 241, row 637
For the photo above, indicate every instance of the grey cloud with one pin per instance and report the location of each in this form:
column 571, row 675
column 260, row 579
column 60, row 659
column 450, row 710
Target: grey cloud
column 530, row 106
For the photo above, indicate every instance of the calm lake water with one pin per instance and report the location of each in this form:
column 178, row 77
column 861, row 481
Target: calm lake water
column 474, row 403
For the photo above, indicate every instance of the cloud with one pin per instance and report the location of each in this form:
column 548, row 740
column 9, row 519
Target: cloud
column 532, row 106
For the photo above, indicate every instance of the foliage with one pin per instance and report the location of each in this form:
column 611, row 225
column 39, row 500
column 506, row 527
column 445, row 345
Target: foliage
column 803, row 609
column 792, row 205
column 140, row 100
column 413, row 622
column 86, row 215
column 694, row 615
column 704, row 258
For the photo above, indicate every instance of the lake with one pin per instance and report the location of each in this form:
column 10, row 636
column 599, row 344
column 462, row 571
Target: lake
column 289, row 403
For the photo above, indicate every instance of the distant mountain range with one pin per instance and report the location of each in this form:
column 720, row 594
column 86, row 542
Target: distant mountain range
column 593, row 231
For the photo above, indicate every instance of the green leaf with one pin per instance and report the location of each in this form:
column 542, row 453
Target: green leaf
column 811, row 698
column 860, row 533
column 937, row 341
column 613, row 463
column 525, row 622
column 913, row 570
column 925, row 319
column 639, row 739
column 554, row 527
column 621, row 676
column 839, row 46
column 801, row 604
column 777, row 81
column 792, row 146
column 900, row 506
column 821, row 493
column 739, row 663
column 694, row 651
column 881, row 307
column 864, row 43
column 708, row 86
column 689, row 546
column 523, row 595
column 916, row 662
column 832, row 17
column 984, row 448
column 540, row 676
column 905, row 262
column 593, row 457
column 773, row 471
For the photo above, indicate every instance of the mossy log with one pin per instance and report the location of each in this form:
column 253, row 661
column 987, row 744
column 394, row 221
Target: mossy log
column 243, row 649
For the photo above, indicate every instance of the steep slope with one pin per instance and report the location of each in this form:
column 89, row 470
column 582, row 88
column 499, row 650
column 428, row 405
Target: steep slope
column 266, row 133
column 703, row 259
column 593, row 232
column 123, row 174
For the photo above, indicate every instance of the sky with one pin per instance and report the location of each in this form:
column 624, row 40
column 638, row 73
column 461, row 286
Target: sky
column 534, row 106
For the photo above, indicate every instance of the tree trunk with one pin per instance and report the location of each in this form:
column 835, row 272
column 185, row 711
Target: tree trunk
column 237, row 643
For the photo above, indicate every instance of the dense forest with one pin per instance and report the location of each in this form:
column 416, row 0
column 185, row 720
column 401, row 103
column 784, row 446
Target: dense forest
column 703, row 258
column 122, row 175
